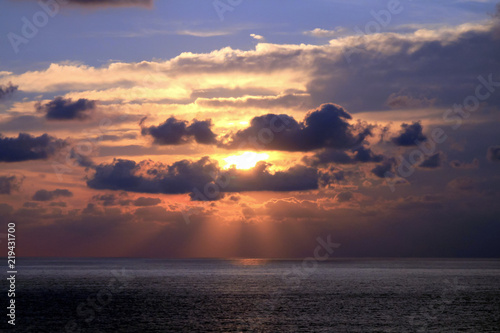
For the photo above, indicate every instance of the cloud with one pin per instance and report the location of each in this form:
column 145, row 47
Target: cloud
column 143, row 201
column 26, row 147
column 202, row 179
column 292, row 100
column 463, row 165
column 176, row 132
column 325, row 127
column 494, row 153
column 257, row 37
column 112, row 199
column 361, row 155
column 65, row 109
column 343, row 196
column 82, row 160
column 44, row 195
column 427, row 63
column 9, row 184
column 323, row 33
column 410, row 135
column 346, row 70
column 432, row 162
column 7, row 90
column 465, row 184
column 396, row 101
column 384, row 169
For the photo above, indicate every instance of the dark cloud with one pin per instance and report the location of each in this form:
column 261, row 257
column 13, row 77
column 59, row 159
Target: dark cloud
column 432, row 162
column 325, row 127
column 431, row 68
column 44, row 195
column 7, row 90
column 176, row 132
column 410, row 135
column 466, row 184
column 81, row 160
column 58, row 204
column 365, row 155
column 396, row 101
column 202, row 179
column 112, row 199
column 112, row 137
column 463, row 165
column 122, row 199
column 143, row 201
column 361, row 155
column 26, row 147
column 343, row 196
column 65, row 109
column 259, row 178
column 9, row 184
column 384, row 169
column 494, row 153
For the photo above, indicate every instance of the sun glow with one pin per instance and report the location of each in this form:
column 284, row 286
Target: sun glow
column 245, row 160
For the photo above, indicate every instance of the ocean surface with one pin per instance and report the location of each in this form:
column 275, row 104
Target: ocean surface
column 252, row 295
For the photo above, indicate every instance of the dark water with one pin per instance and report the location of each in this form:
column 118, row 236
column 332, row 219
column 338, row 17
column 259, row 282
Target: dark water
column 141, row 295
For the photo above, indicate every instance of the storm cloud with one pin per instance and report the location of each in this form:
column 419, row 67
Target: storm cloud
column 26, row 147
column 65, row 109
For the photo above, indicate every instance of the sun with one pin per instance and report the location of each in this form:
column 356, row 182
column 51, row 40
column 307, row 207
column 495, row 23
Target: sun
column 245, row 160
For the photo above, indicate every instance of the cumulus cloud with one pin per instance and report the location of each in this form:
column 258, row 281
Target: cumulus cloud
column 44, row 195
column 202, row 179
column 65, row 109
column 410, row 135
column 257, row 37
column 175, row 132
column 7, row 90
column 9, row 184
column 325, row 127
column 494, row 153
column 26, row 147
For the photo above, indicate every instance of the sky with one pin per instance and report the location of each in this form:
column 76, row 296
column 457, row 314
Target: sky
column 238, row 128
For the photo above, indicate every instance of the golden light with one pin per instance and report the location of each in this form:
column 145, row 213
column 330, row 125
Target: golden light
column 245, row 160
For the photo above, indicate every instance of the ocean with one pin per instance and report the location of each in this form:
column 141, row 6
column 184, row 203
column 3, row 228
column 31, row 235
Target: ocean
column 256, row 295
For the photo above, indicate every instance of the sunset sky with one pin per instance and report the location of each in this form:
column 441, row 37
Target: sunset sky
column 248, row 128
